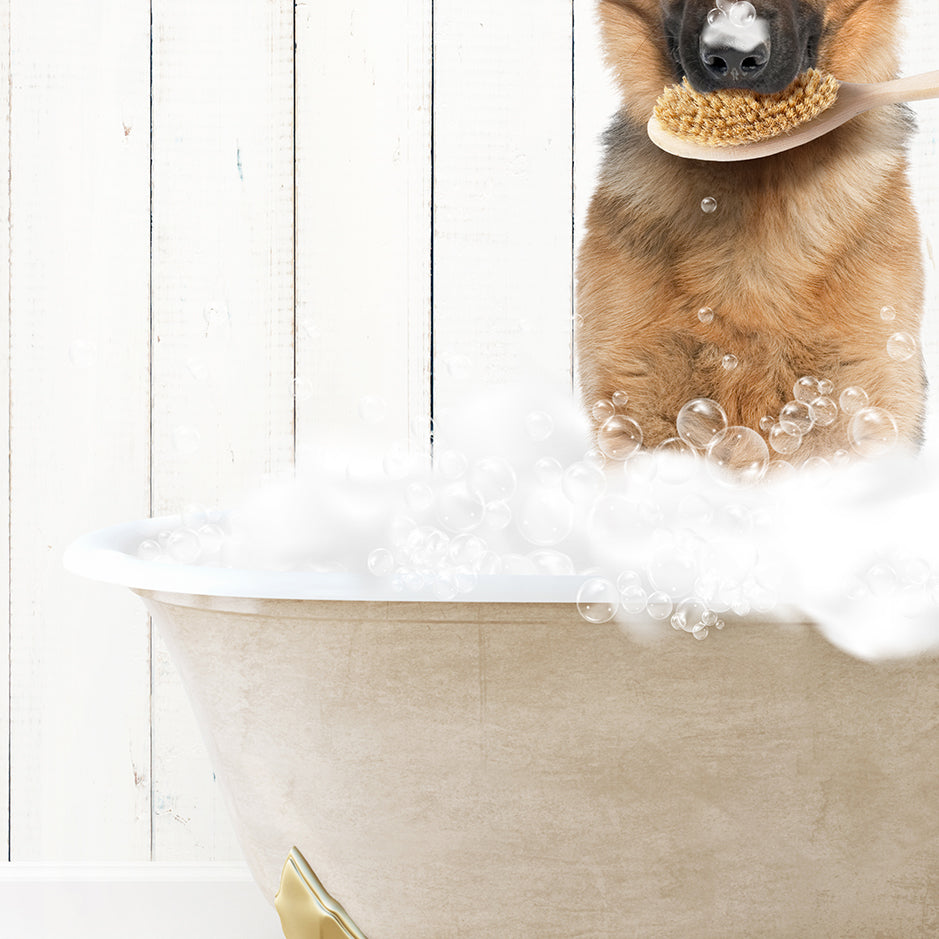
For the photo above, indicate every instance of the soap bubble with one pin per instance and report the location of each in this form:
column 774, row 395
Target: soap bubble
column 597, row 600
column 794, row 416
column 784, row 442
column 700, row 631
column 149, row 550
column 381, row 562
column 742, row 13
column 708, row 204
column 678, row 460
column 806, row 389
column 211, row 538
column 602, row 410
column 549, row 561
column 619, row 437
column 183, row 546
column 739, row 451
column 714, row 15
column 459, row 509
column 582, row 483
column 826, row 387
column 689, row 613
column 633, row 599
column 493, row 479
column 539, row 425
column 672, row 570
column 659, row 605
column 549, row 471
column 627, row 579
column 620, row 399
column 872, row 432
column 699, row 421
column 729, row 362
column 853, row 399
column 498, row 515
column 706, row 315
column 888, row 313
column 451, row 464
column 419, row 496
column 767, row 423
column 466, row 550
column 901, row 346
column 823, row 411
column 546, row 517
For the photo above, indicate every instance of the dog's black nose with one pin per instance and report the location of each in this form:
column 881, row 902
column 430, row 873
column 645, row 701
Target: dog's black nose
column 735, row 68
column 734, row 56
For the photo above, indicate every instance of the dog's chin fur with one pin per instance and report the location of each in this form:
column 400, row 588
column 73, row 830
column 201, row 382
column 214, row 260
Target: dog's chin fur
column 804, row 250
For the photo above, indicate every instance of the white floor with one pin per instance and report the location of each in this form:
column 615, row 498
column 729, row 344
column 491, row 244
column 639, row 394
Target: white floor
column 145, row 901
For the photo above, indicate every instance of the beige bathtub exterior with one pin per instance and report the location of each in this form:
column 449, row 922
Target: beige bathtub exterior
column 508, row 770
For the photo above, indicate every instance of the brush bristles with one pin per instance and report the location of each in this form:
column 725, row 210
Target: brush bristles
column 729, row 117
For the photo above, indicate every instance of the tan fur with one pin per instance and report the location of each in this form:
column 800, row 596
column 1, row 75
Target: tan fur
column 804, row 250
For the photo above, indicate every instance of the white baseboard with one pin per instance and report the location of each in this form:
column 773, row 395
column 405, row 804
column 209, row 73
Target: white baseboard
column 145, row 901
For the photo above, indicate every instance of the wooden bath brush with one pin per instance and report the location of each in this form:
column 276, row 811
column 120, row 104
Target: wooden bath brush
column 735, row 124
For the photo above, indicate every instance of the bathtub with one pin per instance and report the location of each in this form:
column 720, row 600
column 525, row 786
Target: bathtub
column 498, row 767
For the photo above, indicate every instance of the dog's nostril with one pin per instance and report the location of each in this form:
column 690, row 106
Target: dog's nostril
column 751, row 64
column 716, row 64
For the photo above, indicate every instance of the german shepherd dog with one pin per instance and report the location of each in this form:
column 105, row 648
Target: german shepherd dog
column 800, row 257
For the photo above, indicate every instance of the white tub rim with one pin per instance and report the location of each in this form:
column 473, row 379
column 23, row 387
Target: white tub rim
column 108, row 555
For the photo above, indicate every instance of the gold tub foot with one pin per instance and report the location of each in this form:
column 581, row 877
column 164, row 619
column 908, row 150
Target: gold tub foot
column 306, row 910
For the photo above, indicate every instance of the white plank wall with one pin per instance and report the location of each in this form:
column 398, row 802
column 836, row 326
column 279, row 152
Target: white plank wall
column 222, row 224
column 222, row 320
column 4, row 429
column 79, row 438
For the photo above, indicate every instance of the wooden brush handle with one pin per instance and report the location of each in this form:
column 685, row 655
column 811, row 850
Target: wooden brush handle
column 910, row 88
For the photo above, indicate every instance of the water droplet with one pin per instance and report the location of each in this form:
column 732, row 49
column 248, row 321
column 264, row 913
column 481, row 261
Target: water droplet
column 738, row 453
column 619, row 437
column 872, row 432
column 901, row 346
column 853, row 399
column 823, row 411
column 493, row 478
column 83, row 353
column 794, row 416
column 729, row 362
column 381, row 562
column 708, row 205
column 699, row 421
column 706, row 315
column 888, row 314
column 582, row 483
column 784, row 442
column 597, row 600
column 620, row 399
column 539, row 425
column 602, row 410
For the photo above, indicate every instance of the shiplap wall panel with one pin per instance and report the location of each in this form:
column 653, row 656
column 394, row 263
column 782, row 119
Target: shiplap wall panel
column 79, row 412
column 4, row 428
column 363, row 220
column 223, row 320
column 502, row 194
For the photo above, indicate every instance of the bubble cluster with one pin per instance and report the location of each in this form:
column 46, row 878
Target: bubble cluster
column 669, row 536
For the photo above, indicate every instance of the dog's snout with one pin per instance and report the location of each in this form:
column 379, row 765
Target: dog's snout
column 735, row 57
